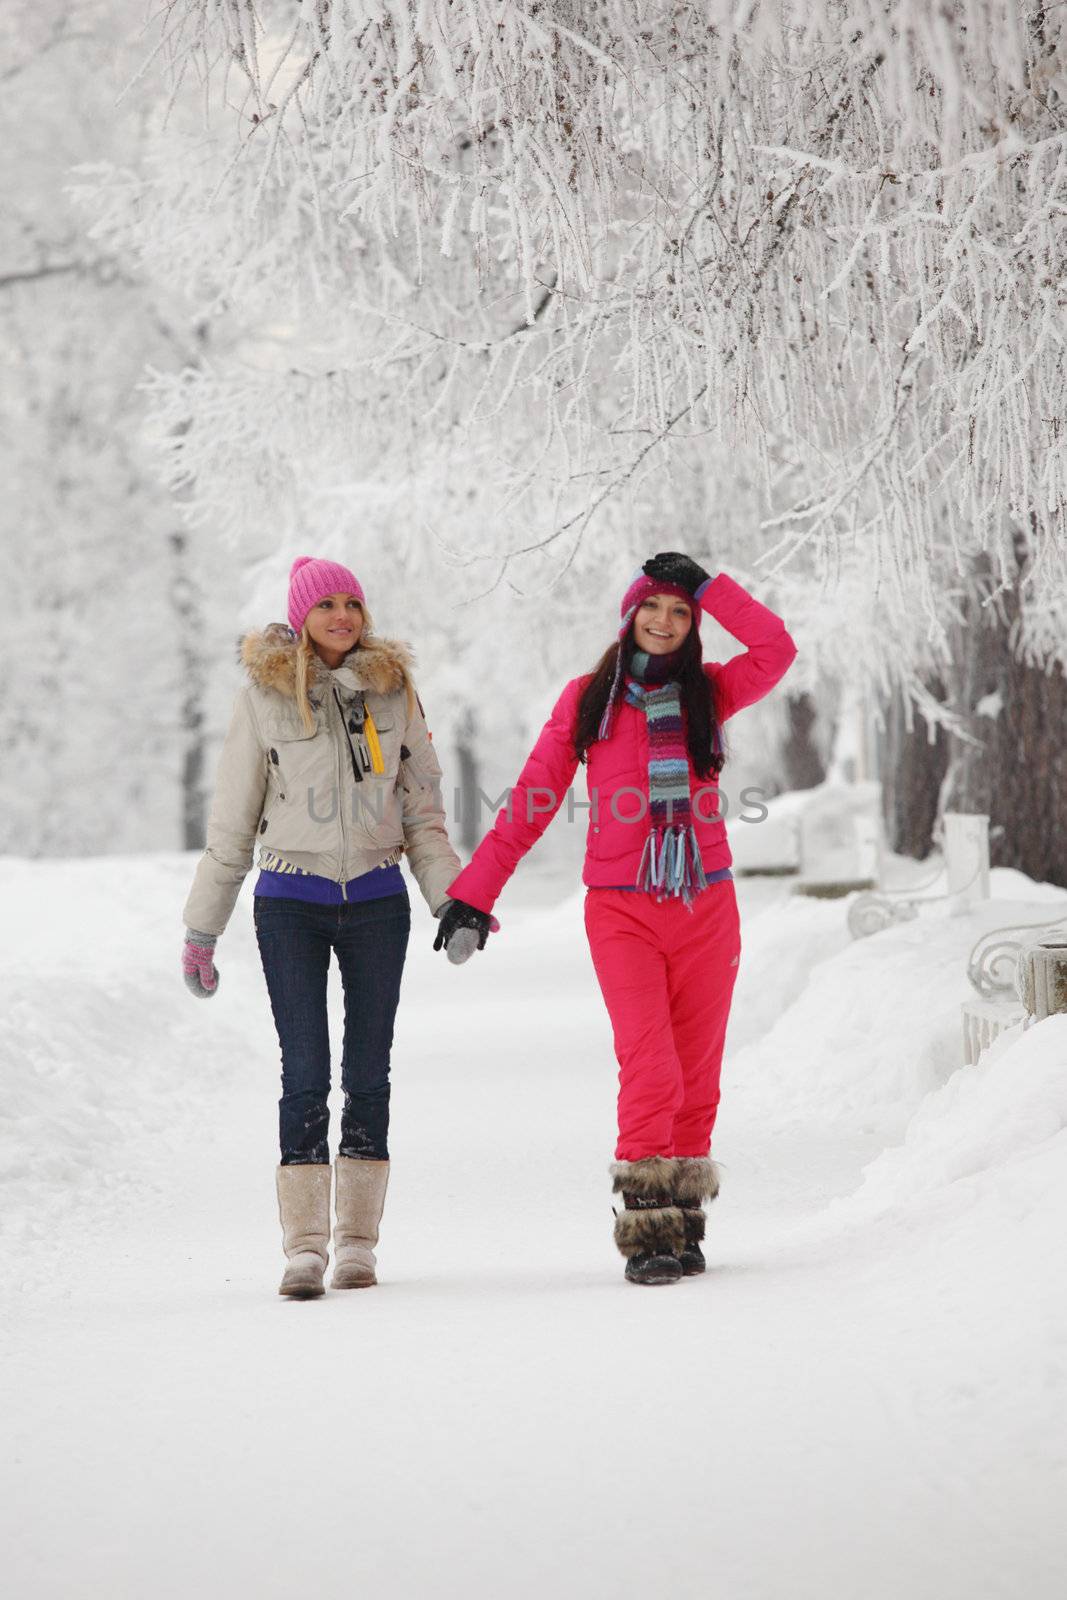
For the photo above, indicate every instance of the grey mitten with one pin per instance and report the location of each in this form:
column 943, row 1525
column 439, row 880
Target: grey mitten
column 462, row 945
column 198, row 964
column 462, row 929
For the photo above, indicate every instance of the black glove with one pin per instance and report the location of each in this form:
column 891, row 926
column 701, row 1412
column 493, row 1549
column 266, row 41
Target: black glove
column 458, row 914
column 670, row 566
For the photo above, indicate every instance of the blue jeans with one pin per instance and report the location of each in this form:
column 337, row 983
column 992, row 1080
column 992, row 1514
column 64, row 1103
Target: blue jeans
column 370, row 939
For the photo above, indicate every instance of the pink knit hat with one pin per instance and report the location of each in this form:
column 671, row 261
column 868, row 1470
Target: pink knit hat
column 311, row 580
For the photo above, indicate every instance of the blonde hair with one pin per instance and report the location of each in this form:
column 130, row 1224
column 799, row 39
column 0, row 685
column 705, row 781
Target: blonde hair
column 305, row 655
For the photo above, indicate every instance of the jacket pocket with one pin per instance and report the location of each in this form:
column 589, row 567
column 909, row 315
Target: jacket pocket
column 621, row 824
column 295, row 760
column 707, row 818
column 375, row 814
column 300, row 812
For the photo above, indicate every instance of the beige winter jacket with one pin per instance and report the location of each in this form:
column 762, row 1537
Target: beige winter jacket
column 298, row 794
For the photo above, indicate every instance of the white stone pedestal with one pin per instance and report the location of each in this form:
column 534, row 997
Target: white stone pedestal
column 966, row 848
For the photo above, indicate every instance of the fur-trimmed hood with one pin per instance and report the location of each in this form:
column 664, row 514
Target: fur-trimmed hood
column 290, row 784
column 382, row 666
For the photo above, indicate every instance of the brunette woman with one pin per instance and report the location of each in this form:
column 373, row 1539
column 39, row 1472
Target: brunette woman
column 660, row 913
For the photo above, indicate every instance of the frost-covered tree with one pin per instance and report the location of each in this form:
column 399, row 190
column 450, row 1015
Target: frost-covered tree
column 545, row 239
column 519, row 286
column 94, row 727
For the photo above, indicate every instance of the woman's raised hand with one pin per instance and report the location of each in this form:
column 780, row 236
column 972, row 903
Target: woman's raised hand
column 671, row 566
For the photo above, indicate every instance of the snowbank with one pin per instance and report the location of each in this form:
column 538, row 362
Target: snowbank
column 876, row 1026
column 107, row 1061
column 1008, row 1107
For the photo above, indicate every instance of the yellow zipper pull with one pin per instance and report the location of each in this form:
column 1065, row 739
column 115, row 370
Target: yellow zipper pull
column 370, row 733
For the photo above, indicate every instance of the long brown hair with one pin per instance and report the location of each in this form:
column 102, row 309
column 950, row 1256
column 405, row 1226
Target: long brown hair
column 697, row 695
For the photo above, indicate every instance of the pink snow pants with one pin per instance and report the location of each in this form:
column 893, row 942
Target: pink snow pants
column 667, row 976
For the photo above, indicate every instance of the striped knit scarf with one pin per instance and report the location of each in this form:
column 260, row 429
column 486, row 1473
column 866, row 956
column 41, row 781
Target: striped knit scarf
column 670, row 862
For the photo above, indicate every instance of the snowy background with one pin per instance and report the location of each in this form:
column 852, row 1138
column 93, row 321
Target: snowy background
column 864, row 1395
column 490, row 301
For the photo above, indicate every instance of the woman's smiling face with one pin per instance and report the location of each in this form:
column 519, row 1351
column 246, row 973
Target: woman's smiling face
column 661, row 624
column 334, row 626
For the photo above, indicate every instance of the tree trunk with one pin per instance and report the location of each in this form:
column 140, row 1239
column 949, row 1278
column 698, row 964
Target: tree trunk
column 467, row 791
column 1029, row 757
column 913, row 768
column 186, row 603
column 804, row 766
column 1013, row 767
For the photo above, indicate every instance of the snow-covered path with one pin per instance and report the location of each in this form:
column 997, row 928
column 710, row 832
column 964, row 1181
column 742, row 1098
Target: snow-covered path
column 863, row 1397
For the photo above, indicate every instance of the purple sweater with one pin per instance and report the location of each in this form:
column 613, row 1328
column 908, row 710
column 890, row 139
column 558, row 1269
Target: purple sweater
column 297, row 885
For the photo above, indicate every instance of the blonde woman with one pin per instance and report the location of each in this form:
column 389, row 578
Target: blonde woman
column 327, row 764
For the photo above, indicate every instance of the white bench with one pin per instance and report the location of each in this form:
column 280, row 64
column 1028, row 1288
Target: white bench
column 1005, row 993
column 1012, row 979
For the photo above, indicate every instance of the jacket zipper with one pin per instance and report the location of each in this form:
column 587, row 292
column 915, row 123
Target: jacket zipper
column 344, row 728
column 340, row 802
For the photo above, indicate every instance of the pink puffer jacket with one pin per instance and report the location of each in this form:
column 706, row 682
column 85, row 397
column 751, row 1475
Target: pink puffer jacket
column 617, row 767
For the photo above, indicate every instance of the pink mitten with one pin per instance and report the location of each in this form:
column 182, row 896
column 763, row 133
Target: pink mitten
column 198, row 964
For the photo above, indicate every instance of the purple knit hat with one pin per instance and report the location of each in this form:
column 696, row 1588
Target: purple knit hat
column 311, row 580
column 639, row 589
column 641, row 586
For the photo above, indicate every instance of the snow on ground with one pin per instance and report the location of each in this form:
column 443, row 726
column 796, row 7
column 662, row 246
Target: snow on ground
column 863, row 1398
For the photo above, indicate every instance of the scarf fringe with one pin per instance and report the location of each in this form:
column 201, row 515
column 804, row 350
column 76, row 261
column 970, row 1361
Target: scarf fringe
column 670, row 864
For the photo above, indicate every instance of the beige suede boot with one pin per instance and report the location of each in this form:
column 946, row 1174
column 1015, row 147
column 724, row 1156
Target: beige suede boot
column 359, row 1200
column 304, row 1208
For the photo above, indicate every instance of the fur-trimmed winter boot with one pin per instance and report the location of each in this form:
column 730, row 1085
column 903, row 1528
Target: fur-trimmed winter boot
column 696, row 1179
column 650, row 1231
column 304, row 1208
column 359, row 1201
